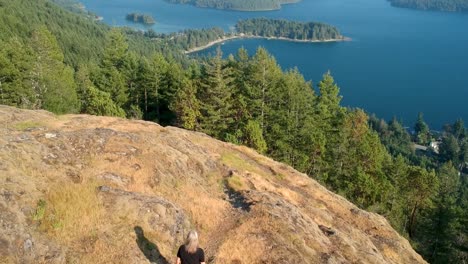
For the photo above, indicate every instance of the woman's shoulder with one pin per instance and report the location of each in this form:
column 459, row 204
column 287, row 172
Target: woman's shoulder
column 200, row 251
column 181, row 248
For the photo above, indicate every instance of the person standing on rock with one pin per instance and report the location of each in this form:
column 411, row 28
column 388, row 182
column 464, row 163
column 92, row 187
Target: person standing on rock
column 190, row 253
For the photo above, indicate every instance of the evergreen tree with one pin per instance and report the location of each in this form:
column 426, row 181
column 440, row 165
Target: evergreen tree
column 112, row 77
column 53, row 81
column 187, row 106
column 330, row 118
column 254, row 137
column 444, row 221
column 216, row 109
column 92, row 100
column 16, row 60
column 240, row 82
column 174, row 78
column 421, row 188
column 421, row 130
column 449, row 149
column 263, row 78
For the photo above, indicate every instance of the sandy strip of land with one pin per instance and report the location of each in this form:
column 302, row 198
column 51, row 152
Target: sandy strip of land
column 243, row 36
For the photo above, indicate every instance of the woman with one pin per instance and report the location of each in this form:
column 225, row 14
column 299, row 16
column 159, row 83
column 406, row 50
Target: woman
column 190, row 253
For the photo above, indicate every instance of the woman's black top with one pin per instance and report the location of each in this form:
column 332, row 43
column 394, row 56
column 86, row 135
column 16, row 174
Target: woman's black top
column 191, row 258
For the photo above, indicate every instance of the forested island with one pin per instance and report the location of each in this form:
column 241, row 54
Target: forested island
column 239, row 5
column 141, row 18
column 436, row 5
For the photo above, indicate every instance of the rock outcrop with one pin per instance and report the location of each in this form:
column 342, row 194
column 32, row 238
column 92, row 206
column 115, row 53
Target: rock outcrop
column 87, row 189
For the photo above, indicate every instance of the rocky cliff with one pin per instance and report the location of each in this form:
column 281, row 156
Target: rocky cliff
column 86, row 189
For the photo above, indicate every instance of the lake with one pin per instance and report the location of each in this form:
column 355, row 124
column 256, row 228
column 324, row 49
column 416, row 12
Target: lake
column 400, row 62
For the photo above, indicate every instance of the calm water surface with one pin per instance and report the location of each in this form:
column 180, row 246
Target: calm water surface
column 399, row 63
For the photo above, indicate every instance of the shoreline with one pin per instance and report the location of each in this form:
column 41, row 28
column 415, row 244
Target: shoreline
column 242, row 36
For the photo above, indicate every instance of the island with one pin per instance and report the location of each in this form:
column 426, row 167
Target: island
column 434, row 5
column 277, row 29
column 141, row 18
column 238, row 5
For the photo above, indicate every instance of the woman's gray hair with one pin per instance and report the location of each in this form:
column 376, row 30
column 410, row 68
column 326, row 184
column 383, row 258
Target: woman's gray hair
column 191, row 242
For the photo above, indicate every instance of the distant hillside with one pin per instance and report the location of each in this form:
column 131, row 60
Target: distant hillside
column 87, row 189
column 436, row 5
column 80, row 38
column 240, row 5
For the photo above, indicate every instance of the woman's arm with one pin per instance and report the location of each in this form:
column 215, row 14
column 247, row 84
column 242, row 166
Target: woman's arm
column 178, row 261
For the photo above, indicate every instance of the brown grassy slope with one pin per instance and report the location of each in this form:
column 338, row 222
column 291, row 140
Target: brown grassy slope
column 86, row 189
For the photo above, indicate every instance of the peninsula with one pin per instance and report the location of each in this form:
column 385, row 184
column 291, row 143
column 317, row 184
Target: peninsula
column 276, row 29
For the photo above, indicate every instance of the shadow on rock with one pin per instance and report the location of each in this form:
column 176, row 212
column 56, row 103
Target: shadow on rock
column 149, row 249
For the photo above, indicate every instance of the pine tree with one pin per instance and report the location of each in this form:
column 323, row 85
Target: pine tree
column 449, row 149
column 444, row 221
column 254, row 137
column 16, row 60
column 263, row 78
column 53, row 82
column 92, row 100
column 216, row 97
column 421, row 130
column 187, row 106
column 421, row 188
column 113, row 76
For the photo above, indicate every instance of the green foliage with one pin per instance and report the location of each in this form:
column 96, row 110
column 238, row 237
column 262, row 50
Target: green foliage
column 39, row 213
column 20, row 18
column 111, row 77
column 394, row 136
column 92, row 100
column 421, row 130
column 53, row 81
column 254, row 137
column 281, row 28
column 187, row 107
column 216, row 108
column 16, row 62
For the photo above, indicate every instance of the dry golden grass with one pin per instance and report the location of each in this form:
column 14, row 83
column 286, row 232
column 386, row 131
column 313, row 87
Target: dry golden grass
column 235, row 161
column 236, row 183
column 206, row 211
column 249, row 243
column 7, row 260
column 24, row 125
column 72, row 211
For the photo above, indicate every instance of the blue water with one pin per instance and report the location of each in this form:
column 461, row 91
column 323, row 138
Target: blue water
column 399, row 63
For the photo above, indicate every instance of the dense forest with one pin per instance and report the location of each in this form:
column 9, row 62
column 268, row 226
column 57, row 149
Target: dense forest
column 437, row 5
column 240, row 5
column 281, row 28
column 244, row 99
column 141, row 18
